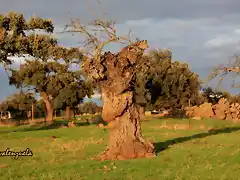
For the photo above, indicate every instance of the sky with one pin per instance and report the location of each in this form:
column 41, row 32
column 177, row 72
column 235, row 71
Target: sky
column 203, row 33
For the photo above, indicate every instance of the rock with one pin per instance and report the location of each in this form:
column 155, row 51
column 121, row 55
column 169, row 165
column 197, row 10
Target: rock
column 101, row 125
column 206, row 110
column 189, row 111
column 219, row 115
column 229, row 117
column 222, row 110
column 71, row 124
column 149, row 155
column 197, row 118
column 147, row 113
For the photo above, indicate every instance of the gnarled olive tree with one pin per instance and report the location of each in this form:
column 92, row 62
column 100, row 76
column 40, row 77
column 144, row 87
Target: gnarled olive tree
column 116, row 75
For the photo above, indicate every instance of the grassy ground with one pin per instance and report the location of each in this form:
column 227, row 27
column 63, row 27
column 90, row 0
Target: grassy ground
column 181, row 154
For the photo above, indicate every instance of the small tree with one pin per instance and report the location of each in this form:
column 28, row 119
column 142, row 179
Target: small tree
column 89, row 108
column 70, row 96
column 18, row 104
column 52, row 80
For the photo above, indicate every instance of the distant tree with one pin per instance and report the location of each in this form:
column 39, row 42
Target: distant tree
column 213, row 96
column 72, row 95
column 40, row 108
column 162, row 83
column 48, row 70
column 18, row 104
column 89, row 108
column 54, row 81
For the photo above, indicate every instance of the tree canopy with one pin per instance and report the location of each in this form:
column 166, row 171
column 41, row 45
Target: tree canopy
column 213, row 96
column 15, row 40
column 18, row 103
column 89, row 108
column 164, row 83
column 46, row 67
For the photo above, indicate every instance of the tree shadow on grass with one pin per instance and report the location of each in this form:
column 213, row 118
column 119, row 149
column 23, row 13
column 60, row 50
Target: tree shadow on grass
column 160, row 146
column 43, row 126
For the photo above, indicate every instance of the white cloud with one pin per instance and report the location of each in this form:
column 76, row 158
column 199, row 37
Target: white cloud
column 229, row 38
column 224, row 40
column 201, row 42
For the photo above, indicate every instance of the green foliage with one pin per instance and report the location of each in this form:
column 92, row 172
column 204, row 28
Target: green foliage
column 72, row 95
column 18, row 101
column 47, row 71
column 55, row 79
column 162, row 83
column 18, row 37
column 89, row 108
column 213, row 96
column 18, row 104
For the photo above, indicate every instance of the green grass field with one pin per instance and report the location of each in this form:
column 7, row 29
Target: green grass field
column 181, row 154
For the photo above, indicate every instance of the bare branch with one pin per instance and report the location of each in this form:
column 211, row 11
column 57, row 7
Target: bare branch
column 94, row 31
column 224, row 70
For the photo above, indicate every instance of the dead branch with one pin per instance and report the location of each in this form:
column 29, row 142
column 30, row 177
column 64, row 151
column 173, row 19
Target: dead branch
column 224, row 70
column 93, row 31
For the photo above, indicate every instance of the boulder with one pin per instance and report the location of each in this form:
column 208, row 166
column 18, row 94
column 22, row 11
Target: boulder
column 206, row 110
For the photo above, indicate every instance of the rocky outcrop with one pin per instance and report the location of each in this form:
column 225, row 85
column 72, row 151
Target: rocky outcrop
column 223, row 110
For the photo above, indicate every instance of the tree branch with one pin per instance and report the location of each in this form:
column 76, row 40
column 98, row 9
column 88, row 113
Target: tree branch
column 93, row 39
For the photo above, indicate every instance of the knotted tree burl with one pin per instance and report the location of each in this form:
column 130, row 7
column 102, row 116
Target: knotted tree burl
column 116, row 76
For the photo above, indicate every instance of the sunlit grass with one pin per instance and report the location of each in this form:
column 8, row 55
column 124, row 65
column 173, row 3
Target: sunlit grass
column 192, row 153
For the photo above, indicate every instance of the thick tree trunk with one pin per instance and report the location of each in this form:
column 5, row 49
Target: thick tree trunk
column 33, row 109
column 29, row 116
column 48, row 106
column 142, row 113
column 123, row 116
column 68, row 113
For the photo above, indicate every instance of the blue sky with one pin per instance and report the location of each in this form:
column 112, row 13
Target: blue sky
column 203, row 33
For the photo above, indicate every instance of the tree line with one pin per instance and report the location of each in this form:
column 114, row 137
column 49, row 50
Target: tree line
column 162, row 83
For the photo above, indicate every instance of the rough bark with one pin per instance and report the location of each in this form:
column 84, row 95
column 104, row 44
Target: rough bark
column 142, row 113
column 123, row 116
column 68, row 113
column 29, row 116
column 33, row 109
column 49, row 108
column 115, row 74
